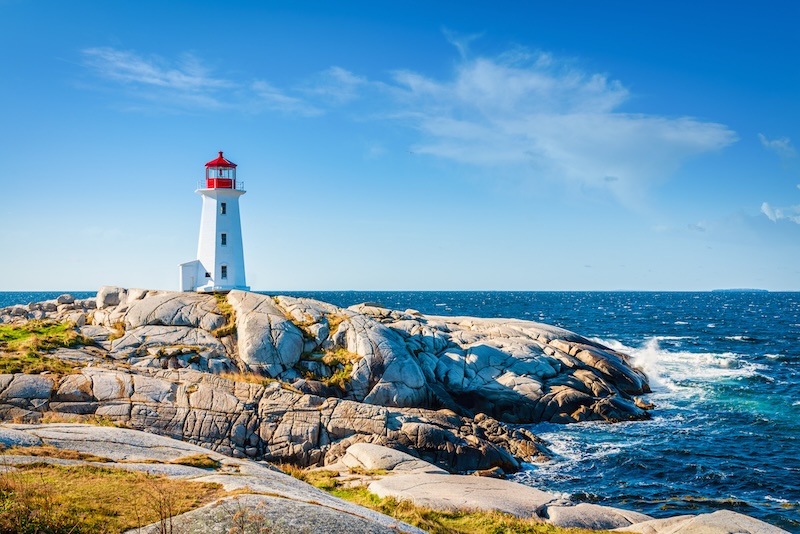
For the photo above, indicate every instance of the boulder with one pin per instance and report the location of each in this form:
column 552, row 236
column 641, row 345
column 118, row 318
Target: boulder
column 463, row 492
column 109, row 296
column 175, row 309
column 719, row 522
column 592, row 516
column 268, row 342
column 65, row 299
column 369, row 456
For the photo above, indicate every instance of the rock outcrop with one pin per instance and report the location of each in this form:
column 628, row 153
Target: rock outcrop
column 443, row 387
column 262, row 421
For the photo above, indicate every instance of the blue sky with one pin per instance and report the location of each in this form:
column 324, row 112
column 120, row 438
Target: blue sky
column 410, row 145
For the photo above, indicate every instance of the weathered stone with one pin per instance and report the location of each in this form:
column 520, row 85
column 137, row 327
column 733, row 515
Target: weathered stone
column 719, row 522
column 460, row 492
column 65, row 299
column 175, row 309
column 268, row 342
column 372, row 457
column 246, row 513
column 591, row 516
column 109, row 296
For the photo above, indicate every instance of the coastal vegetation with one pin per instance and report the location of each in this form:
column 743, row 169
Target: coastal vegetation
column 77, row 499
column 23, row 346
column 339, row 361
column 229, row 328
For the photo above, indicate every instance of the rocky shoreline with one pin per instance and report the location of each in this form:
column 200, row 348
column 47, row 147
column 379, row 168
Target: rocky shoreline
column 294, row 380
column 445, row 387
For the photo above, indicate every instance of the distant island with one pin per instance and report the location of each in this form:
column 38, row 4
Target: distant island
column 740, row 290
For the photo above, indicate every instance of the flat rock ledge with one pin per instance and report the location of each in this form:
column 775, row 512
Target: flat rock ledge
column 407, row 478
column 266, row 497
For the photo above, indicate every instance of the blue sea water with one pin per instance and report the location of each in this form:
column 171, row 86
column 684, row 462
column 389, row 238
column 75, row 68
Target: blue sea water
column 725, row 373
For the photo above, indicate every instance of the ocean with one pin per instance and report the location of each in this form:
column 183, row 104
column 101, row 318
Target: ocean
column 725, row 373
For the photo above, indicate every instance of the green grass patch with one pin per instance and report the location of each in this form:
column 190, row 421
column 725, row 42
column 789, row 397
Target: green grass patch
column 88, row 499
column 334, row 359
column 37, row 336
column 22, row 347
column 34, row 364
column 202, row 461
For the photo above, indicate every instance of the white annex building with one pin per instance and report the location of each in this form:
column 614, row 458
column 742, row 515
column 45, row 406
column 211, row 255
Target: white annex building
column 220, row 257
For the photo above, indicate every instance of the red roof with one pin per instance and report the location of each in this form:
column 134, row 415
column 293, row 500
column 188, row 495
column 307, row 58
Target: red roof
column 220, row 162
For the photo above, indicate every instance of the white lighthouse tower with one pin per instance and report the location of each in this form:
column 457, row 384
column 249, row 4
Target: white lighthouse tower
column 220, row 257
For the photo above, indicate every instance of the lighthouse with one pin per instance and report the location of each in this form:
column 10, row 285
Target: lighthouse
column 220, row 256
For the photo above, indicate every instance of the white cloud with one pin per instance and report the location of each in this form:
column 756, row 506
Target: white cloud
column 533, row 111
column 778, row 214
column 781, row 146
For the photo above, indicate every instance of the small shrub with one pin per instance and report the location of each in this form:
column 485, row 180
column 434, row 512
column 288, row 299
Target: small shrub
column 333, row 322
column 341, row 359
column 229, row 328
column 118, row 330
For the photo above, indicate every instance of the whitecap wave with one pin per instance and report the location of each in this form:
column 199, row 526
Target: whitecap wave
column 679, row 371
column 776, row 499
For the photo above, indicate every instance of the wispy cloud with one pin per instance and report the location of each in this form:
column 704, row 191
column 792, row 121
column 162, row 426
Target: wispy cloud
column 550, row 119
column 187, row 84
column 774, row 214
column 127, row 67
column 461, row 42
column 781, row 146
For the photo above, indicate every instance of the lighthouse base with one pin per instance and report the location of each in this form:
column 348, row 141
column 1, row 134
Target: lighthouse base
column 194, row 277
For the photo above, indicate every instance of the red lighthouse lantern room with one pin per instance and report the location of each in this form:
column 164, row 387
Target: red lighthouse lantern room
column 220, row 173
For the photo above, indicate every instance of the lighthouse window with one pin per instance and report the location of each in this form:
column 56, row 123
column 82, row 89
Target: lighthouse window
column 223, row 272
column 223, row 208
column 208, row 275
column 223, row 239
